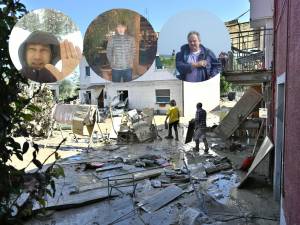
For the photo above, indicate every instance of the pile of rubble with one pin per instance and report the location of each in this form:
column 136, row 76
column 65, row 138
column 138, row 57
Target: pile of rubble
column 136, row 127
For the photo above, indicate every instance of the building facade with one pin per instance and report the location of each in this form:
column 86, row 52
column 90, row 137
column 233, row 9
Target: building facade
column 154, row 89
column 286, row 107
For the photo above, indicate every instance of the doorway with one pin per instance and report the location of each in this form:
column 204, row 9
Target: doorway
column 101, row 99
column 123, row 95
column 279, row 138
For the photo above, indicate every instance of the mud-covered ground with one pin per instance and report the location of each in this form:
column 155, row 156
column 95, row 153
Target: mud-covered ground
column 215, row 200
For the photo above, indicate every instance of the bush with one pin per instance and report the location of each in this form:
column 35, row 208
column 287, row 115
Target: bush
column 16, row 110
column 225, row 86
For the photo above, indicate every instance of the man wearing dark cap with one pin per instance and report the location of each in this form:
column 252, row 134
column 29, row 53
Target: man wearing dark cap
column 40, row 52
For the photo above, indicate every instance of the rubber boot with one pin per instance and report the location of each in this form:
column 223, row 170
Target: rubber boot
column 176, row 135
column 206, row 145
column 169, row 134
column 197, row 145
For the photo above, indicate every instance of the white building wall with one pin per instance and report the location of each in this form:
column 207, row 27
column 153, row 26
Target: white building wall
column 141, row 94
column 261, row 12
column 151, row 75
column 86, row 81
column 206, row 92
column 269, row 46
column 261, row 16
column 141, row 91
column 81, row 96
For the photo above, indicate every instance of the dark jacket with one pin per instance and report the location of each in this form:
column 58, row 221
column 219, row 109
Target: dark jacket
column 200, row 118
column 44, row 38
column 203, row 73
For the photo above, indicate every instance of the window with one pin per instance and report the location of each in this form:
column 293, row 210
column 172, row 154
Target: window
column 87, row 71
column 123, row 95
column 162, row 95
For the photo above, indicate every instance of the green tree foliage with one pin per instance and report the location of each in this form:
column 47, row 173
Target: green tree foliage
column 225, row 86
column 67, row 89
column 17, row 109
column 168, row 62
column 44, row 103
column 48, row 20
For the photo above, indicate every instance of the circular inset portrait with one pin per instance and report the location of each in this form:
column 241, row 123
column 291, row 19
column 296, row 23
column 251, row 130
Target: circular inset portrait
column 193, row 45
column 120, row 45
column 45, row 45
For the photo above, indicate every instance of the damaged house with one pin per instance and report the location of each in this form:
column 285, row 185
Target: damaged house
column 154, row 89
column 144, row 179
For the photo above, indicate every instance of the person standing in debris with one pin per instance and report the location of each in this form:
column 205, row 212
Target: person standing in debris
column 195, row 62
column 200, row 128
column 173, row 116
column 120, row 53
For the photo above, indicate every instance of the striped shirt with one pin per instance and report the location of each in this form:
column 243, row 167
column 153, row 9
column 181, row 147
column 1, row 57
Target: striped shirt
column 120, row 52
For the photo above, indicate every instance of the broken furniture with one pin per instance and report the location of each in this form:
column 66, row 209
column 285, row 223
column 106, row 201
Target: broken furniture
column 248, row 127
column 135, row 127
column 78, row 116
column 119, row 179
column 117, row 105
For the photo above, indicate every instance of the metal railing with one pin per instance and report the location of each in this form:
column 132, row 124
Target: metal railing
column 250, row 51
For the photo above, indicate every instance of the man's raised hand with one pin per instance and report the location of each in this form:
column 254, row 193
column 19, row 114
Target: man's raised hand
column 70, row 57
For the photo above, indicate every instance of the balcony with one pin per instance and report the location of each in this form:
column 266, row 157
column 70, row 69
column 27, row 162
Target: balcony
column 251, row 56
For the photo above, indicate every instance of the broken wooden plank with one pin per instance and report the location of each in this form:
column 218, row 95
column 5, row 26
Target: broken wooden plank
column 117, row 180
column 73, row 201
column 111, row 167
column 160, row 199
column 238, row 113
column 217, row 168
column 263, row 151
column 148, row 174
column 136, row 176
column 89, row 187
